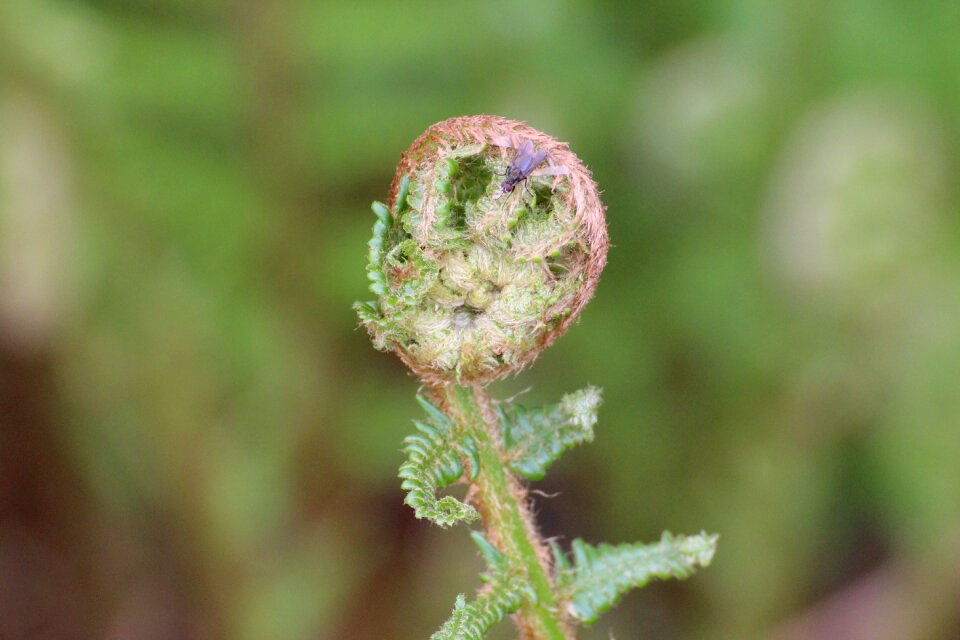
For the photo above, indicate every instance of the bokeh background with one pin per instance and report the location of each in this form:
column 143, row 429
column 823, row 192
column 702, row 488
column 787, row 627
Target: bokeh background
column 196, row 441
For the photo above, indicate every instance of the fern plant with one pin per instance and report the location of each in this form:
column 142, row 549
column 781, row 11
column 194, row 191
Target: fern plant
column 474, row 275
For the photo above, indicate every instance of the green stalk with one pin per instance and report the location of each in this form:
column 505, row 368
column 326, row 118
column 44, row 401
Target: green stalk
column 503, row 503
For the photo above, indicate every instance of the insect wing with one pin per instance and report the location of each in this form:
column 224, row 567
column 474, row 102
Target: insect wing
column 537, row 158
column 552, row 170
column 527, row 159
column 525, row 149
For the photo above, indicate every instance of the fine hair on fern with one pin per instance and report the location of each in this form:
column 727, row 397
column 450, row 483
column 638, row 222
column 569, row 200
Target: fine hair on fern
column 473, row 277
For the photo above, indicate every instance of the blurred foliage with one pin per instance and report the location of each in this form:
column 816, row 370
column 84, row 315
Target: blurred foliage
column 195, row 440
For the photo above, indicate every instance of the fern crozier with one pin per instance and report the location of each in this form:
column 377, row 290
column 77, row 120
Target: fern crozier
column 472, row 282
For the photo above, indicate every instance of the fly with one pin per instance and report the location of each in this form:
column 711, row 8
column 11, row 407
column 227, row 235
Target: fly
column 522, row 165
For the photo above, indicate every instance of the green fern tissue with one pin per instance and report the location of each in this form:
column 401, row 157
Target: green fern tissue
column 489, row 246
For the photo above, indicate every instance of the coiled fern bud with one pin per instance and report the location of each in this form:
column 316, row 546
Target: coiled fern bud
column 473, row 280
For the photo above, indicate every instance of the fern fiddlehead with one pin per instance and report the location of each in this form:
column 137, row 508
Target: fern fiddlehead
column 474, row 275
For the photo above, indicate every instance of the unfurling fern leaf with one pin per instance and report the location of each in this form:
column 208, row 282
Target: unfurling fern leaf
column 435, row 460
column 472, row 281
column 504, row 593
column 534, row 438
column 602, row 574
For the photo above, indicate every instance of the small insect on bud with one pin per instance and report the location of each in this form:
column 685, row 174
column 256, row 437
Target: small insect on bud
column 522, row 165
column 524, row 162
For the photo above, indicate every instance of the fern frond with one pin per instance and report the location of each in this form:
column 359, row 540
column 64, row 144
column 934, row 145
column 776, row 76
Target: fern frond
column 375, row 248
column 370, row 313
column 435, row 459
column 534, row 438
column 400, row 202
column 602, row 574
column 504, row 593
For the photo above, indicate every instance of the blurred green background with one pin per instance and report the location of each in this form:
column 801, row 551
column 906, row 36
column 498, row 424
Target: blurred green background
column 196, row 441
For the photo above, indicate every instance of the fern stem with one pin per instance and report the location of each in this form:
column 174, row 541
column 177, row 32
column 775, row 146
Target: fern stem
column 503, row 503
